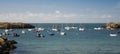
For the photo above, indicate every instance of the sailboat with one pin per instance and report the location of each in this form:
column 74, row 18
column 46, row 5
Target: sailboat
column 98, row 28
column 74, row 27
column 23, row 31
column 30, row 29
column 81, row 29
column 54, row 28
column 41, row 29
column 6, row 30
column 62, row 32
column 67, row 28
column 113, row 35
column 11, row 29
column 36, row 28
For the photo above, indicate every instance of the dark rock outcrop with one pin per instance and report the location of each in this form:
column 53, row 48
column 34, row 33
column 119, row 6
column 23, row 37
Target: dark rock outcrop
column 6, row 45
column 112, row 25
column 8, row 25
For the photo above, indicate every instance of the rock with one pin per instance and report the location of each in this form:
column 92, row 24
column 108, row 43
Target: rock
column 1, row 40
column 6, row 45
column 12, row 42
column 111, row 26
column 19, row 25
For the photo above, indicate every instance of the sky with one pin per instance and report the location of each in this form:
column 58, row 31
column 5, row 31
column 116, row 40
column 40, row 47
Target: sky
column 60, row 11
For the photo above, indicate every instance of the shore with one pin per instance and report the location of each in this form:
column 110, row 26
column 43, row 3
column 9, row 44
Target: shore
column 112, row 25
column 15, row 25
column 6, row 45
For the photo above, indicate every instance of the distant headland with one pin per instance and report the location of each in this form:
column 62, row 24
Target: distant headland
column 112, row 25
column 15, row 25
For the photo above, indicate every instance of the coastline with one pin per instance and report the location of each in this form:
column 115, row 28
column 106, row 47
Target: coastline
column 7, row 45
column 15, row 25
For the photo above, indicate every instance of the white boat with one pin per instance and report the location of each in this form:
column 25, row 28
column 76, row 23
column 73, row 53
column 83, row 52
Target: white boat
column 41, row 29
column 98, row 28
column 95, row 28
column 74, row 27
column 23, row 32
column 6, row 30
column 54, row 28
column 67, row 28
column 113, row 34
column 81, row 29
column 30, row 29
column 62, row 33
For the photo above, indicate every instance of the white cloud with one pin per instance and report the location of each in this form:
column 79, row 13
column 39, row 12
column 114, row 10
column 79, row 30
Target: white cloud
column 58, row 16
column 57, row 11
column 34, row 17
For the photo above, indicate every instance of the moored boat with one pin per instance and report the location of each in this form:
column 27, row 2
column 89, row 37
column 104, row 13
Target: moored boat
column 113, row 34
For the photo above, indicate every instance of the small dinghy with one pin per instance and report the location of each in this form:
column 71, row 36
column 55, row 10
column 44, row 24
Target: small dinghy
column 62, row 31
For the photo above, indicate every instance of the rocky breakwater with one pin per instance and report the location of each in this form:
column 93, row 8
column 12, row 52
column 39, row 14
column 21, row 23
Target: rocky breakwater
column 112, row 25
column 13, row 25
column 6, row 45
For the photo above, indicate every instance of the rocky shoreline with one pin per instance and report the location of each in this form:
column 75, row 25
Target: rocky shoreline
column 112, row 25
column 7, row 45
column 15, row 25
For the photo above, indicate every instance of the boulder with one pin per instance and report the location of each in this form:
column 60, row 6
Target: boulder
column 6, row 45
column 111, row 25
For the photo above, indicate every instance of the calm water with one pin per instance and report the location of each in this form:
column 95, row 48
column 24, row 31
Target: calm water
column 89, row 41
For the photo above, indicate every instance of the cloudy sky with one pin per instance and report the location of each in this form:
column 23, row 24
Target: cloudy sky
column 60, row 11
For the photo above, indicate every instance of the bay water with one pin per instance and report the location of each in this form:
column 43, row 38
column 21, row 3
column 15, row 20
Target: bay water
column 89, row 41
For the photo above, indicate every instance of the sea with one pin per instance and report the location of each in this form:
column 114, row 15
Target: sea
column 88, row 41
